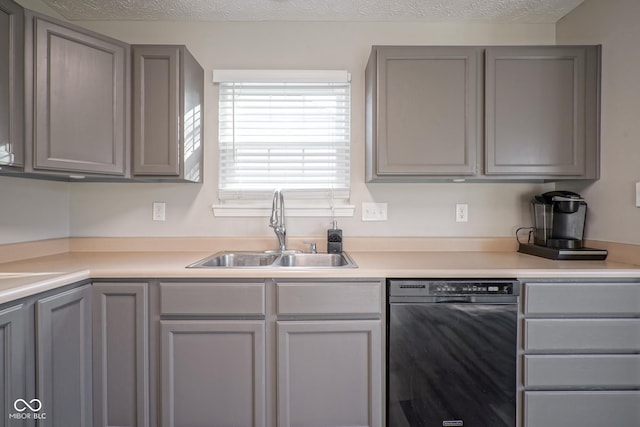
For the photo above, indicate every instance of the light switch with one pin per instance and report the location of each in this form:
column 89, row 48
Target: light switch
column 159, row 211
column 637, row 194
column 374, row 211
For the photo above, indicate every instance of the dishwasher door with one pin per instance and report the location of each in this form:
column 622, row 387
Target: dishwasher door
column 452, row 364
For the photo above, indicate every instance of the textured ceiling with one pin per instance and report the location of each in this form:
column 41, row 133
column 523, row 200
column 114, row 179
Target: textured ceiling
column 520, row 11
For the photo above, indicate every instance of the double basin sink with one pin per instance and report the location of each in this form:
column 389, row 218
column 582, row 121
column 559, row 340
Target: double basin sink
column 275, row 260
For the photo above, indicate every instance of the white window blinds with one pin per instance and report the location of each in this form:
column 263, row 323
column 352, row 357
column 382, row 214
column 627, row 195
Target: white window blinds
column 291, row 135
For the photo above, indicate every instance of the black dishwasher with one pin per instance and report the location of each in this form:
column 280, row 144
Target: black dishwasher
column 451, row 352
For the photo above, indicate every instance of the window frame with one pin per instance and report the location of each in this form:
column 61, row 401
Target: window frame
column 324, row 198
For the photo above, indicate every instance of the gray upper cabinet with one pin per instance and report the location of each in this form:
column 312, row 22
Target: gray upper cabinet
column 422, row 112
column 78, row 84
column 425, row 107
column 168, row 96
column 11, row 84
column 542, row 111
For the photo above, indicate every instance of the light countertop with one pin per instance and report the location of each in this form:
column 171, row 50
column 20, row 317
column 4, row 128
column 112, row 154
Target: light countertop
column 23, row 278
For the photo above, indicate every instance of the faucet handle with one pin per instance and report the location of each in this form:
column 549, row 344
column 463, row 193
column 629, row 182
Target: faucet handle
column 313, row 247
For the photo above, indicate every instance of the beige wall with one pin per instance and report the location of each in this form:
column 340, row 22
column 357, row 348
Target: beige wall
column 33, row 209
column 614, row 24
column 414, row 209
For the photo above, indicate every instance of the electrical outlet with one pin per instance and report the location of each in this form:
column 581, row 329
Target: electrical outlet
column 374, row 211
column 159, row 211
column 462, row 212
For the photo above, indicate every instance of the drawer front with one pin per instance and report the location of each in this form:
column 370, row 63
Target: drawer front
column 330, row 298
column 212, row 298
column 582, row 335
column 582, row 298
column 582, row 371
column 581, row 409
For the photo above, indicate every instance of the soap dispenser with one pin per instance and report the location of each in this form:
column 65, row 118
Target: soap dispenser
column 334, row 239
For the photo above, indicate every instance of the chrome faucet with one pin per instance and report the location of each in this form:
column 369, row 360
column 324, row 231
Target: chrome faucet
column 277, row 220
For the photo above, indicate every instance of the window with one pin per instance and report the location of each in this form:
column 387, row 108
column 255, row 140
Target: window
column 284, row 129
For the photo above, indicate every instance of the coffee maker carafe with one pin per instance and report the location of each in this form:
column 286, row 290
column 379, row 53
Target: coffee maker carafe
column 559, row 218
column 558, row 232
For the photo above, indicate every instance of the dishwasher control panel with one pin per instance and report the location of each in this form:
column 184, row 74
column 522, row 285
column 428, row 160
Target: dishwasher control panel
column 472, row 288
column 431, row 287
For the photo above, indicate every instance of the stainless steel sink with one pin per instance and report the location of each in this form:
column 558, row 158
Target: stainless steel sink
column 315, row 260
column 275, row 260
column 236, row 259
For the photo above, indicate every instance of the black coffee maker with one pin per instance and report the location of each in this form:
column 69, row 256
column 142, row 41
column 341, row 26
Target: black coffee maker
column 559, row 218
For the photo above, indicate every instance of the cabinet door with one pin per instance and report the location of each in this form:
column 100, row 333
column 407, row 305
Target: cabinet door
column 337, row 298
column 581, row 409
column 542, row 111
column 13, row 341
column 586, row 299
column 156, row 109
column 212, row 298
column 80, row 95
column 422, row 111
column 63, row 358
column 120, row 355
column 329, row 373
column 11, row 83
column 168, row 95
column 582, row 335
column 582, row 371
column 213, row 373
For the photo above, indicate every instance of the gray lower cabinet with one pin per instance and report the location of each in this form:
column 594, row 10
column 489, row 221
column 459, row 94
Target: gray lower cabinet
column 13, row 342
column 11, row 84
column 168, row 101
column 120, row 355
column 581, row 361
column 63, row 358
column 77, row 87
column 329, row 353
column 212, row 343
column 329, row 373
column 582, row 408
column 422, row 112
column 542, row 111
column 213, row 373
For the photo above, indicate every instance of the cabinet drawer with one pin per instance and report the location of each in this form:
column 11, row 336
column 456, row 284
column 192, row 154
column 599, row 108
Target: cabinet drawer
column 330, row 298
column 582, row 371
column 212, row 298
column 582, row 298
column 583, row 409
column 582, row 335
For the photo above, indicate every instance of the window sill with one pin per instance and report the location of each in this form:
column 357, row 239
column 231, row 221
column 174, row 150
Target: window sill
column 293, row 209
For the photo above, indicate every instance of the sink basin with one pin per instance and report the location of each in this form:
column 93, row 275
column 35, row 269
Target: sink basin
column 274, row 260
column 236, row 259
column 315, row 260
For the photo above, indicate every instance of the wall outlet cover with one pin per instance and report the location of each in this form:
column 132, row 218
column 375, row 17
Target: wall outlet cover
column 462, row 212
